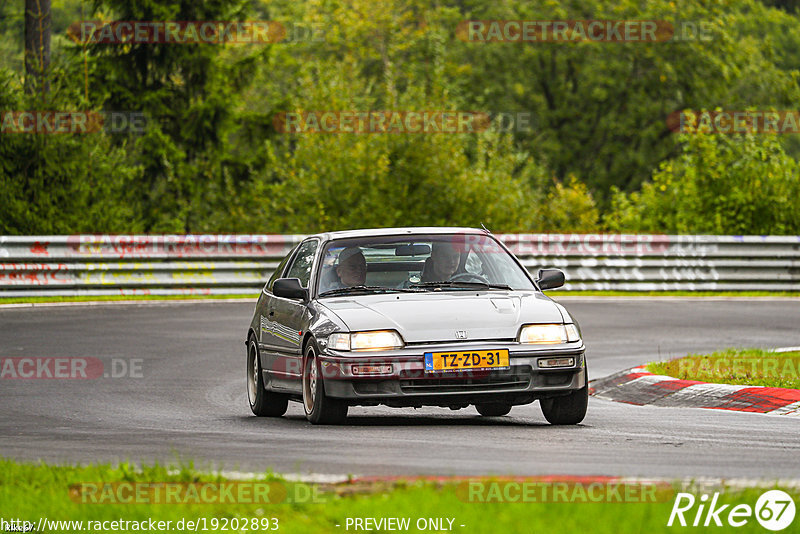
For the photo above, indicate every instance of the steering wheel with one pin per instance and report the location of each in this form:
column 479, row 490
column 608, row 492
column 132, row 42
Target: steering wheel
column 468, row 277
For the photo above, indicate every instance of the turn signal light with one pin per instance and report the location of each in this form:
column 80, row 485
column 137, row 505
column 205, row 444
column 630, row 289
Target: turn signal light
column 548, row 363
column 372, row 369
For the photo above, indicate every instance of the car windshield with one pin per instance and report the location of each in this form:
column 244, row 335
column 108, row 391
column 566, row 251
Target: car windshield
column 439, row 262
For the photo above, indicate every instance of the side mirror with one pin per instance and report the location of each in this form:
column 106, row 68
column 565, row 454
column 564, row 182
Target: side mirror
column 289, row 288
column 549, row 279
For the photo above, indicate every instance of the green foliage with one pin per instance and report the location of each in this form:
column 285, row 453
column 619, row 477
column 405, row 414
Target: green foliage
column 601, row 107
column 189, row 94
column 61, row 183
column 570, row 208
column 720, row 184
column 211, row 159
column 399, row 180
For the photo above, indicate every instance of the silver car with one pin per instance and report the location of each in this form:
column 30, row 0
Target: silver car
column 412, row 317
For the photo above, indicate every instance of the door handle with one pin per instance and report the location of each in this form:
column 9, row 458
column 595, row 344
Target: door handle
column 271, row 313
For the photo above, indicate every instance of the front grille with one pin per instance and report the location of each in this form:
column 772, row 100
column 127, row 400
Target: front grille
column 470, row 342
column 517, row 378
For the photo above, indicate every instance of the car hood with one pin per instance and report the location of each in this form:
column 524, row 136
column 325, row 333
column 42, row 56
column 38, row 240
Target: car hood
column 435, row 316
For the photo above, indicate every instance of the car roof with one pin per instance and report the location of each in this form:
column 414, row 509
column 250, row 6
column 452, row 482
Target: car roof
column 417, row 230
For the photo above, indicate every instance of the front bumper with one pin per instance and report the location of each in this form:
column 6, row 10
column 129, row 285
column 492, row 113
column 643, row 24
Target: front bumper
column 408, row 384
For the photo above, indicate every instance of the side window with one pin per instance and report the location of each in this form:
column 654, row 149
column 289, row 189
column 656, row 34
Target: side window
column 278, row 270
column 303, row 261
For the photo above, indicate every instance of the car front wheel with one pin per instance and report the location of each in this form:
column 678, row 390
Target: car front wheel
column 262, row 402
column 568, row 409
column 320, row 409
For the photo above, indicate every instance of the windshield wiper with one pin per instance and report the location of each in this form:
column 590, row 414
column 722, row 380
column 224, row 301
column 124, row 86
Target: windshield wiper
column 356, row 289
column 466, row 285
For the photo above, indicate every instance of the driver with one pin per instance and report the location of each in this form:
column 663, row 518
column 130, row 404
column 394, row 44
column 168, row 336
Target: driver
column 351, row 267
column 444, row 262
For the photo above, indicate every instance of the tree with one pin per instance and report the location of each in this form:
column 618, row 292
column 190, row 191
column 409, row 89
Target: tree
column 600, row 108
column 189, row 93
column 719, row 184
column 37, row 46
column 63, row 183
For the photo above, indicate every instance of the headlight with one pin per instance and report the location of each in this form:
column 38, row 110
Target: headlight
column 376, row 340
column 549, row 333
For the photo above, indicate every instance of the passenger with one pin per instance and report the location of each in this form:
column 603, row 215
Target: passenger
column 442, row 264
column 351, row 267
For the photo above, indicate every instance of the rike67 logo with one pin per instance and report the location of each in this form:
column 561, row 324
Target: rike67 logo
column 774, row 510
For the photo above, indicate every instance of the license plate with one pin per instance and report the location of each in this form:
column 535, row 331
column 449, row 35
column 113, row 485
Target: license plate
column 461, row 360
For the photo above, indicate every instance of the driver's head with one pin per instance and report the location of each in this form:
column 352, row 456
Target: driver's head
column 352, row 267
column 445, row 260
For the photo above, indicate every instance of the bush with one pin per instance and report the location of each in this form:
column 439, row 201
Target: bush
column 570, row 208
column 340, row 182
column 719, row 184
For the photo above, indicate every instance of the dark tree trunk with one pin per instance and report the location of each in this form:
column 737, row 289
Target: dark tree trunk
column 37, row 46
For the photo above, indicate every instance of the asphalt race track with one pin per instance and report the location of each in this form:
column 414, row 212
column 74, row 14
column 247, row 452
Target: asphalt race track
column 190, row 401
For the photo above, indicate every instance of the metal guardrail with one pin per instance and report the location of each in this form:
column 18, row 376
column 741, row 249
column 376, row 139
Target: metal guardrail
column 239, row 264
column 96, row 265
column 664, row 262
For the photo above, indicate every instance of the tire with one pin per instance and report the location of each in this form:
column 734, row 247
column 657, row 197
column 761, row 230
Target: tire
column 320, row 409
column 493, row 410
column 263, row 403
column 567, row 410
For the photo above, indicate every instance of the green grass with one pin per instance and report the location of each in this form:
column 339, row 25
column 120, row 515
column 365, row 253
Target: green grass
column 31, row 492
column 752, row 367
column 104, row 298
